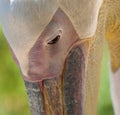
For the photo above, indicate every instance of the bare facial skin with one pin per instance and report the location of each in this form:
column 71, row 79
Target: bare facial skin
column 47, row 56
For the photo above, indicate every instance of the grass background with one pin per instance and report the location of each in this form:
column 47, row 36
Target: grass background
column 13, row 98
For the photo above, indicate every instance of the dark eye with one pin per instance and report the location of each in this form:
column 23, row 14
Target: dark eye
column 55, row 40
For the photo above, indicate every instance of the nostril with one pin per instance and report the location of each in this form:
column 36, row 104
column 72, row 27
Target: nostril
column 55, row 40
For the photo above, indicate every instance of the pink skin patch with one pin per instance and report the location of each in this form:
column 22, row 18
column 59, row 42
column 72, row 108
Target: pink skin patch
column 47, row 56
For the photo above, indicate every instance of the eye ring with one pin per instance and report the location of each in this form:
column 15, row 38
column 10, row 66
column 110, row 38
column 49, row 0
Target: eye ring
column 55, row 40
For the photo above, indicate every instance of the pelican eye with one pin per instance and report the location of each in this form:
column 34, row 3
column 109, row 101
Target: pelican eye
column 55, row 40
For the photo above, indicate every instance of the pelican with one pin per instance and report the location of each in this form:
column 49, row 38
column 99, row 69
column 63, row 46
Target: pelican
column 58, row 47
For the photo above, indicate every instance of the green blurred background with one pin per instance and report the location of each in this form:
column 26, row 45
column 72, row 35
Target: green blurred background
column 13, row 98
